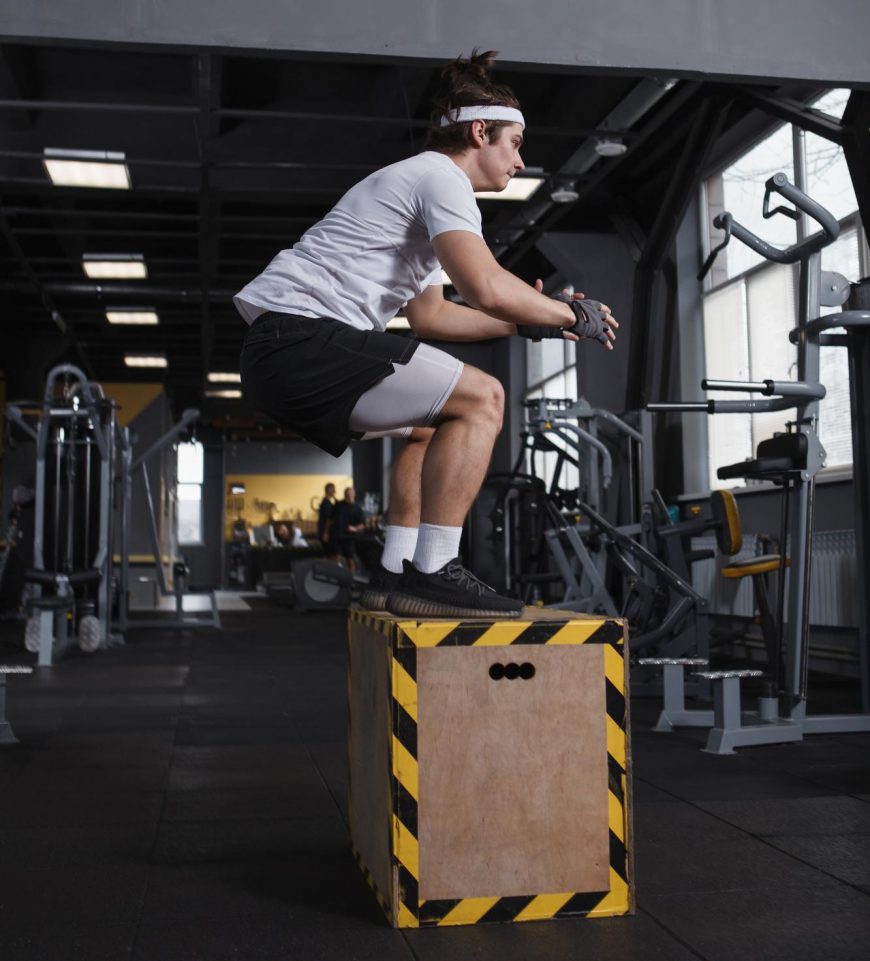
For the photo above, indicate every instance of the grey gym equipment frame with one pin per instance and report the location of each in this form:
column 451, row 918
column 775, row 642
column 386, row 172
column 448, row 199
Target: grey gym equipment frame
column 782, row 713
column 131, row 467
column 103, row 429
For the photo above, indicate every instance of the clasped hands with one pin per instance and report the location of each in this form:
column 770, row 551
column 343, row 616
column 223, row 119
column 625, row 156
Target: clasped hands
column 593, row 320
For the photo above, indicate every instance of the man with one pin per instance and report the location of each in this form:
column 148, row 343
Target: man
column 318, row 358
column 324, row 517
column 348, row 520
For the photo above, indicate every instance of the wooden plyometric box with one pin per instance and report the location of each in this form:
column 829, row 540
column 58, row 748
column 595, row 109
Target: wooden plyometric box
column 490, row 767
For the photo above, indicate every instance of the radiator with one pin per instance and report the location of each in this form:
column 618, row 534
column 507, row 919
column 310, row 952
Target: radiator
column 833, row 602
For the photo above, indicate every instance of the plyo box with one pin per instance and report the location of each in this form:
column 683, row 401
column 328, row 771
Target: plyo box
column 490, row 767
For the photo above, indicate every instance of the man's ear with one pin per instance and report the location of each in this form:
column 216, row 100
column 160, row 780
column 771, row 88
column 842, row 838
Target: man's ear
column 478, row 133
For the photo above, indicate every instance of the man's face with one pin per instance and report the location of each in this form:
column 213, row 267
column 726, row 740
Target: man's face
column 500, row 158
column 350, row 495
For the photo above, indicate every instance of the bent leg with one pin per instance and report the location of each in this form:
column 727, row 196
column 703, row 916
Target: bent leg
column 459, row 453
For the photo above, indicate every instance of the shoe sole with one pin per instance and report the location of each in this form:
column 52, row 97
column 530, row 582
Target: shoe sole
column 409, row 606
column 373, row 600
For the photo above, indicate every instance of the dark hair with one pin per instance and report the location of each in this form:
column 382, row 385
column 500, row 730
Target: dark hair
column 467, row 83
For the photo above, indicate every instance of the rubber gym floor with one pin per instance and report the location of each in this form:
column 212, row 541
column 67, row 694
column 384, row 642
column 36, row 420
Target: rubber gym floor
column 183, row 797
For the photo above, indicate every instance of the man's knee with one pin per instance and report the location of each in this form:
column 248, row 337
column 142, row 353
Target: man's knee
column 492, row 401
column 478, row 397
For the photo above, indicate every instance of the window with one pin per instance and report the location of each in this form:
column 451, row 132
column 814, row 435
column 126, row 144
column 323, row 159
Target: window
column 189, row 477
column 750, row 304
column 551, row 372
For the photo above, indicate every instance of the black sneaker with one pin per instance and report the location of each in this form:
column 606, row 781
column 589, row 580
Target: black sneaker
column 450, row 592
column 374, row 595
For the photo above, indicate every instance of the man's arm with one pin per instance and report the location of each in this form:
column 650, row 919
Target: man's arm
column 431, row 315
column 483, row 283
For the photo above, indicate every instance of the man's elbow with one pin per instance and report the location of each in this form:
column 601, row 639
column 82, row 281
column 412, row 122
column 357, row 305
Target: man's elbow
column 483, row 294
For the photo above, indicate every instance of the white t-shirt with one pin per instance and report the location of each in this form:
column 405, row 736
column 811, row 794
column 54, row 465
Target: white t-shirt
column 372, row 252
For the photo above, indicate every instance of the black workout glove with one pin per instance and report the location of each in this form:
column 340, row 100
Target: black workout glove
column 589, row 323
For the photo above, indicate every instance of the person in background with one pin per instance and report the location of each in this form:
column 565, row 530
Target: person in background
column 348, row 520
column 324, row 517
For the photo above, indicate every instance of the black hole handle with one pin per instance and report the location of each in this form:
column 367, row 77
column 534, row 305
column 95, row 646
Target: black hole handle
column 511, row 671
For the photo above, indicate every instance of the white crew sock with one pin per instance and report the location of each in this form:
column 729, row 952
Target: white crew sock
column 398, row 546
column 436, row 546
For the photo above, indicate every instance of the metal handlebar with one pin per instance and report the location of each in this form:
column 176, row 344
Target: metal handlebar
column 770, row 388
column 849, row 319
column 779, row 394
column 780, row 184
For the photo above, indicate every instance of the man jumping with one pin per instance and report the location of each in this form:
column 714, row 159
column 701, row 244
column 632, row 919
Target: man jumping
column 317, row 356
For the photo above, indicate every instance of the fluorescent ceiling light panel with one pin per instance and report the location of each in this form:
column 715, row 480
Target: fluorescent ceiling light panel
column 216, row 377
column 145, row 360
column 114, row 266
column 225, row 394
column 86, row 168
column 518, row 188
column 139, row 316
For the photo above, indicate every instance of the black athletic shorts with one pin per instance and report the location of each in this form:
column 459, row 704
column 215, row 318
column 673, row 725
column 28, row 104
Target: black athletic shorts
column 308, row 373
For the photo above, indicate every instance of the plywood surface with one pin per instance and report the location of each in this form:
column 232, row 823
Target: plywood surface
column 528, row 614
column 368, row 695
column 513, row 774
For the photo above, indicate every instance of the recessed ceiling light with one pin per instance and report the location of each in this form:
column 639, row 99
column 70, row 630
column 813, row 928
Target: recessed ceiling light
column 610, row 147
column 518, row 188
column 86, row 168
column 216, row 377
column 145, row 360
column 114, row 266
column 124, row 315
column 225, row 394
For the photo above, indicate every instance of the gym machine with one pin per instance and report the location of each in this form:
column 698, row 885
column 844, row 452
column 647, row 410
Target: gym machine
column 132, row 467
column 791, row 460
column 667, row 615
column 75, row 430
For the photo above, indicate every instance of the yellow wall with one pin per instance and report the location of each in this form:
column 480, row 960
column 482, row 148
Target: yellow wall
column 131, row 399
column 295, row 496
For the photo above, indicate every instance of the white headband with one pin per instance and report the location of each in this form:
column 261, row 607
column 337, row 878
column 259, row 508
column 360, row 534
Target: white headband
column 483, row 112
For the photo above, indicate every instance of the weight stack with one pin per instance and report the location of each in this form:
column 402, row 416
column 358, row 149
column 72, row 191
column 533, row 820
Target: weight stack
column 490, row 767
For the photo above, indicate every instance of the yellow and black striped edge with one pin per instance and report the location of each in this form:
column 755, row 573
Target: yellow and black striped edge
column 407, row 637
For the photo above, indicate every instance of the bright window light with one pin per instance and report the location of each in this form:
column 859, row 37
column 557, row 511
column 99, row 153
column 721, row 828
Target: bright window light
column 145, row 360
column 86, row 168
column 189, row 465
column 119, row 315
column 218, row 377
column 224, row 394
column 114, row 266
column 399, row 322
column 518, row 188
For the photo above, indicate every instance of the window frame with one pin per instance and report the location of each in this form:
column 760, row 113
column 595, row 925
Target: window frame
column 850, row 221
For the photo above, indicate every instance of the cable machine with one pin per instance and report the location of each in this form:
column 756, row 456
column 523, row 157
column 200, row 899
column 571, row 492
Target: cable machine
column 791, row 460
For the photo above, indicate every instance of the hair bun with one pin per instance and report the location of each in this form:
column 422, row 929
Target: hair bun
column 478, row 65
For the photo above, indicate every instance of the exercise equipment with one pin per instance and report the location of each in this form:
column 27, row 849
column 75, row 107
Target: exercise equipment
column 75, row 434
column 551, row 537
column 791, row 460
column 195, row 614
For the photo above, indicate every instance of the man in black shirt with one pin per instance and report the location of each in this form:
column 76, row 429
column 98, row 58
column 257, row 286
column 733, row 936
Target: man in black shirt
column 347, row 521
column 324, row 519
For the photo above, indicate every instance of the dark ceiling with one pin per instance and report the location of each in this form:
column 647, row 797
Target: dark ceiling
column 232, row 157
